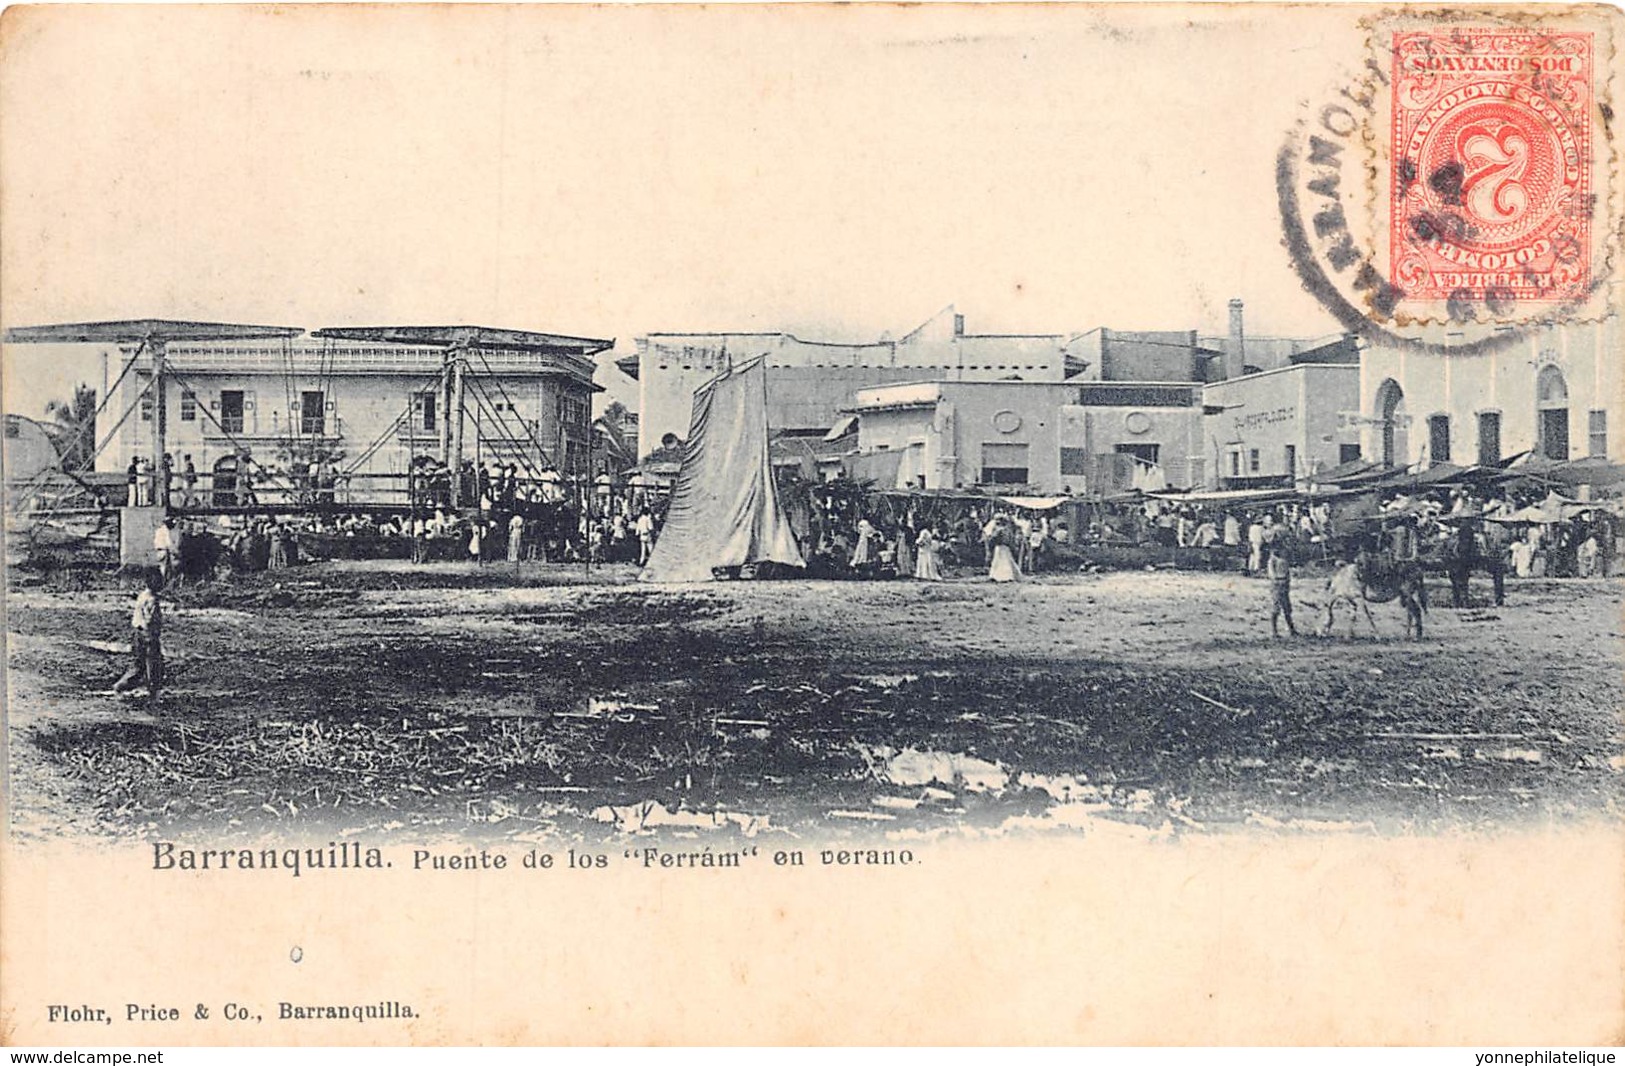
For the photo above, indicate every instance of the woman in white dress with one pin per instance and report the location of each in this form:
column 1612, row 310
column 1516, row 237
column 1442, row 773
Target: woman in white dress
column 927, row 567
column 863, row 555
column 1003, row 567
column 903, row 552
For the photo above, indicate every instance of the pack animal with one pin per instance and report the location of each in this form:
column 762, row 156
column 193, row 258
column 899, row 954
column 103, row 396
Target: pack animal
column 1372, row 578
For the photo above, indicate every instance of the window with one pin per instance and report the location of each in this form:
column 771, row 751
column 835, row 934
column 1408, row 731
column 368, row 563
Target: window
column 231, row 410
column 1489, row 438
column 1291, row 460
column 1348, row 453
column 1552, row 413
column 1439, row 438
column 188, row 405
column 1252, row 461
column 1235, row 463
column 1004, row 464
column 423, row 412
column 1146, row 453
column 1074, row 462
column 146, row 407
column 573, row 411
column 1598, row 429
column 312, row 413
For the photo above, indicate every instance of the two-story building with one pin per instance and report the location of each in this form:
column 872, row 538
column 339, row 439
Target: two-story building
column 1285, row 425
column 368, row 400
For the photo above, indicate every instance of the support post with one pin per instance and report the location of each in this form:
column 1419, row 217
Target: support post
column 592, row 488
column 455, row 463
column 160, row 426
column 443, row 399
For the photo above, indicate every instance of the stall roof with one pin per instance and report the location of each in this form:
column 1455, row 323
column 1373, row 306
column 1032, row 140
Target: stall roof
column 1036, row 503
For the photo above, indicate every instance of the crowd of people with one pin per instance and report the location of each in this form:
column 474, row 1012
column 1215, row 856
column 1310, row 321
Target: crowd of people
column 888, row 535
column 858, row 534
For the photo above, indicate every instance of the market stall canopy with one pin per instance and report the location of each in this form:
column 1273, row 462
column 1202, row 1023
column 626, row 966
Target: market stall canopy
column 1550, row 511
column 1223, row 496
column 1354, row 471
column 1593, row 470
column 1036, row 503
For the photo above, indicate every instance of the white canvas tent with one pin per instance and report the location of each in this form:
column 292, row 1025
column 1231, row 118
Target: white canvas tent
column 724, row 509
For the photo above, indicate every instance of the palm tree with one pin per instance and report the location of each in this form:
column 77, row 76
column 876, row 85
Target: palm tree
column 75, row 428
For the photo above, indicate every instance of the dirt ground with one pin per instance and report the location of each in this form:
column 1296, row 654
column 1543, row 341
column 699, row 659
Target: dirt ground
column 381, row 698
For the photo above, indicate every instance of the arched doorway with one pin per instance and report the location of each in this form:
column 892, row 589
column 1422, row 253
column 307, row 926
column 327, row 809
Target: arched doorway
column 224, row 482
column 1551, row 413
column 1393, row 423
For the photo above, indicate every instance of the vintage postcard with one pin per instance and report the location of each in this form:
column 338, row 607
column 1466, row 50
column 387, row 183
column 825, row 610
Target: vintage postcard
column 970, row 524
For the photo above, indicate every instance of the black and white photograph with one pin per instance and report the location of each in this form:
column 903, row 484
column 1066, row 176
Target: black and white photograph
column 1121, row 504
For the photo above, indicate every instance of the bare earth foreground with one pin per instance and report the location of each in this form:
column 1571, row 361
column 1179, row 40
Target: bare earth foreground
column 376, row 698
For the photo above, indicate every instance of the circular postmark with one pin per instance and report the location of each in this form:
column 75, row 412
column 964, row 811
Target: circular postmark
column 1443, row 198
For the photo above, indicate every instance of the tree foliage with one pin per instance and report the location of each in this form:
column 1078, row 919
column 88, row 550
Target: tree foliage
column 73, row 424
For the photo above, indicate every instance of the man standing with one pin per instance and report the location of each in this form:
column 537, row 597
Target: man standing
column 189, row 484
column 143, row 495
column 165, row 547
column 1255, row 546
column 146, row 643
column 420, row 546
column 645, row 527
column 1279, row 571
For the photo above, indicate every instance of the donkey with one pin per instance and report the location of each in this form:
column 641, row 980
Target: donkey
column 1373, row 578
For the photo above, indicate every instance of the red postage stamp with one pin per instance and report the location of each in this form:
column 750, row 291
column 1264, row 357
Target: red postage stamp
column 1492, row 185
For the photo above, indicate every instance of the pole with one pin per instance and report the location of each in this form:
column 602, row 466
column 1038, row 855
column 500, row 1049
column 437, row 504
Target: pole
column 455, row 463
column 591, row 488
column 443, row 399
column 160, row 477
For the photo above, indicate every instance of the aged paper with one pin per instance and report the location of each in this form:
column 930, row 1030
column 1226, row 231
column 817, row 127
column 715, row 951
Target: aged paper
column 391, row 802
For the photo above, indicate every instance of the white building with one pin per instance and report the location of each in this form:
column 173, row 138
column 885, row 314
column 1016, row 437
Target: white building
column 1047, row 437
column 1558, row 391
column 371, row 399
column 809, row 382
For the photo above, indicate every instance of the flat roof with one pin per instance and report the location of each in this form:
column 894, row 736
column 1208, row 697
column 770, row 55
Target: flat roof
column 482, row 336
column 124, row 331
column 1281, row 370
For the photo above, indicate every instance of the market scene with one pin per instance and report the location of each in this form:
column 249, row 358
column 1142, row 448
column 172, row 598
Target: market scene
column 271, row 579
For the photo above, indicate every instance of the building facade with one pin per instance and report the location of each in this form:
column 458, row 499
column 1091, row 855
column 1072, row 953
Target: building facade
column 1045, row 437
column 810, row 382
column 367, row 406
column 1277, row 427
column 1557, row 391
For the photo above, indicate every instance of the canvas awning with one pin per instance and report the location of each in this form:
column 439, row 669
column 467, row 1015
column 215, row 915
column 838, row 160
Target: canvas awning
column 725, row 510
column 1035, row 503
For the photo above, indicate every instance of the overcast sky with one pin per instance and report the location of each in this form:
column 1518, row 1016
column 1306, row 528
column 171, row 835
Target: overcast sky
column 838, row 173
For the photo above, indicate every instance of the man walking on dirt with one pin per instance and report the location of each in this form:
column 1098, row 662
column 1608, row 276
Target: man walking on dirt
column 146, row 640
column 1279, row 571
